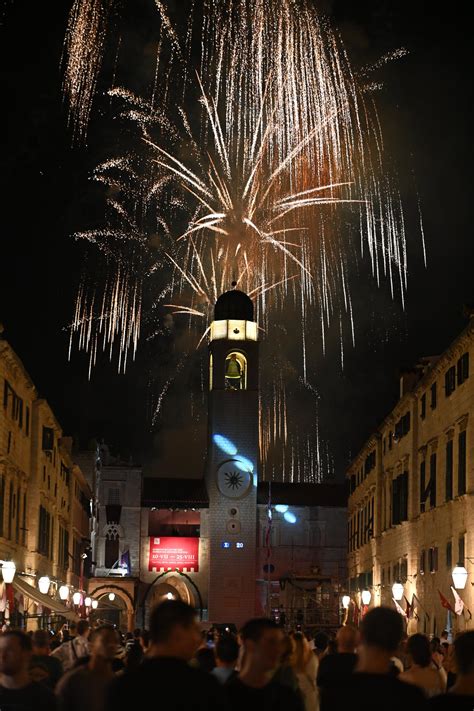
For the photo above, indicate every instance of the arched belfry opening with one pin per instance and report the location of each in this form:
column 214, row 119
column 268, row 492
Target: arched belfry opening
column 235, row 371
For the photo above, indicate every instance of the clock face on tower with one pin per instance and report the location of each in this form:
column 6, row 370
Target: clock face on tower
column 232, row 481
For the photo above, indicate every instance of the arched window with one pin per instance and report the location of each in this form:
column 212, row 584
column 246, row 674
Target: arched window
column 112, row 543
column 235, row 371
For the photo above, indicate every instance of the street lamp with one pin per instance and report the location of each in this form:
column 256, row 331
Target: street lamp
column 8, row 570
column 346, row 601
column 459, row 576
column 397, row 591
column 170, row 596
column 87, row 602
column 76, row 598
column 366, row 597
column 95, row 604
column 64, row 592
column 111, row 596
column 43, row 584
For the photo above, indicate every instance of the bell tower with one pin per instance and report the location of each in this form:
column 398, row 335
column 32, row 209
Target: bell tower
column 233, row 459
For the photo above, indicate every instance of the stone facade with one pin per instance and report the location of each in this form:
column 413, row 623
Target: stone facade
column 411, row 505
column 45, row 500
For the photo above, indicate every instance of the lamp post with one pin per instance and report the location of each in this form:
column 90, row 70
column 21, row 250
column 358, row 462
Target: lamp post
column 397, row 591
column 366, row 597
column 459, row 576
column 64, row 593
column 43, row 584
column 8, row 570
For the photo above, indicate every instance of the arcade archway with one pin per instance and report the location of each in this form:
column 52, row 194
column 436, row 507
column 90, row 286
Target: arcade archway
column 170, row 585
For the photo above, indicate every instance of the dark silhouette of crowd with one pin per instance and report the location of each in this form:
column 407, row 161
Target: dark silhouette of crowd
column 177, row 666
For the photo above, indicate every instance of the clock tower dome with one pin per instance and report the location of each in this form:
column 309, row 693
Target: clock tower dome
column 233, row 459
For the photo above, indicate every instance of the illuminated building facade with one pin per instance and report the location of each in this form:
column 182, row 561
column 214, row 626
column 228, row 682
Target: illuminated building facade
column 411, row 504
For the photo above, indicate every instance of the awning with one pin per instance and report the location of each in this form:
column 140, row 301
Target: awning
column 32, row 593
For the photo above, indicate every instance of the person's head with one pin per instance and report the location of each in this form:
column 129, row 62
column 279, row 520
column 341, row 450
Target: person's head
column 137, row 633
column 346, row 639
column 41, row 640
column 174, row 626
column 320, row 642
column 262, row 640
column 205, row 659
column 418, row 647
column 133, row 656
column 104, row 642
column 15, row 652
column 464, row 654
column 227, row 651
column 382, row 629
column 83, row 629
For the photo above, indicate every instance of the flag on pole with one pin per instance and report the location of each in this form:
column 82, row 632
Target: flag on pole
column 408, row 609
column 400, row 610
column 458, row 604
column 445, row 603
column 125, row 561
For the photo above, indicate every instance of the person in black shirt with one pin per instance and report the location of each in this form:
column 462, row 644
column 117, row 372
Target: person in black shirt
column 461, row 695
column 254, row 688
column 165, row 676
column 371, row 687
column 335, row 669
column 17, row 691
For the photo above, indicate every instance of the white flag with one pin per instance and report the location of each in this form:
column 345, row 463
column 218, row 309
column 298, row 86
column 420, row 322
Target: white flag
column 459, row 604
column 400, row 610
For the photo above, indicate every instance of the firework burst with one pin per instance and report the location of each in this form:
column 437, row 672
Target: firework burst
column 271, row 160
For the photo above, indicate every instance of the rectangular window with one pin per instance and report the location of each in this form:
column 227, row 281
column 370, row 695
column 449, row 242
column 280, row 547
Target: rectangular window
column 27, row 421
column 10, row 511
column 449, row 555
column 462, row 463
column 17, row 521
column 48, row 439
column 23, row 526
column 433, row 480
column 404, row 571
column 422, row 563
column 461, row 550
column 422, row 485
column 433, row 397
column 449, row 470
column 44, row 534
column 9, row 443
column 450, row 381
column 433, row 560
column 423, row 406
column 463, row 368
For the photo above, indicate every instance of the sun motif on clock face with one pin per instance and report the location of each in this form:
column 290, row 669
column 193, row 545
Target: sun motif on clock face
column 234, row 480
column 231, row 481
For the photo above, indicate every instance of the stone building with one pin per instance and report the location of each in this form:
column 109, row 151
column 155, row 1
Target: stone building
column 45, row 508
column 411, row 493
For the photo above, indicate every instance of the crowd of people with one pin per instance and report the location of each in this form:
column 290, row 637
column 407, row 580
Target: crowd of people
column 178, row 667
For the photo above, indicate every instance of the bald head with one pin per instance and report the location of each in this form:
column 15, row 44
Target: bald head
column 346, row 639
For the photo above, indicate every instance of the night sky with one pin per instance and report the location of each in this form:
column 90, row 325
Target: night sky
column 47, row 196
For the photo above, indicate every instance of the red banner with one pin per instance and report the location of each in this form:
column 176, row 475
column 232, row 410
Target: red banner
column 174, row 553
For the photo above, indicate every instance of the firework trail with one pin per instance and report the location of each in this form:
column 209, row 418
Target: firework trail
column 257, row 139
